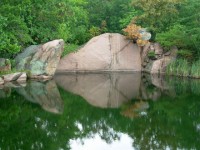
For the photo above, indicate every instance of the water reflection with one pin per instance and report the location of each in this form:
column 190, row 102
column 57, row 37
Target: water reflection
column 152, row 112
column 44, row 93
column 102, row 90
column 124, row 142
column 111, row 90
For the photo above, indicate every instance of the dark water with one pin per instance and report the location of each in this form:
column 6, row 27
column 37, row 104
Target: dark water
column 101, row 112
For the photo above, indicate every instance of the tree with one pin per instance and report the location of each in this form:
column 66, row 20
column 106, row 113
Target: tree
column 185, row 32
column 158, row 15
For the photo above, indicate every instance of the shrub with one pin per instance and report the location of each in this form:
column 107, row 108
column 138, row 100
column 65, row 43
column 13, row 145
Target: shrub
column 151, row 55
column 69, row 48
column 134, row 33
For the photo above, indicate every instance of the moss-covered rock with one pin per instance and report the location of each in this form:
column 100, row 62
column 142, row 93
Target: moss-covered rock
column 40, row 60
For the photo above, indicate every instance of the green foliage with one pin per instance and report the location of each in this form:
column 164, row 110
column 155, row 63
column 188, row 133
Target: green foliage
column 27, row 123
column 195, row 70
column 173, row 37
column 30, row 22
column 69, row 48
column 112, row 12
column 94, row 31
column 128, row 17
column 185, row 32
column 172, row 23
column 187, row 54
column 156, row 14
column 27, row 22
column 179, row 67
column 151, row 54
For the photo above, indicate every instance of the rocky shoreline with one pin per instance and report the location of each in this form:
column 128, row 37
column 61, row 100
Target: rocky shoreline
column 109, row 52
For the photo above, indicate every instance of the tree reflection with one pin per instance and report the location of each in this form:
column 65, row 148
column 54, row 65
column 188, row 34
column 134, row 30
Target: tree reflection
column 169, row 122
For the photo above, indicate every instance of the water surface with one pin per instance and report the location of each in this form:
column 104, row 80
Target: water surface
column 101, row 111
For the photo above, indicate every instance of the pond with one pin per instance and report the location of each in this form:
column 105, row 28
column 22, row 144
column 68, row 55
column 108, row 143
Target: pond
column 106, row 111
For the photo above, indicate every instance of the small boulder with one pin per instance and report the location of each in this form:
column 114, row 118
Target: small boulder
column 145, row 34
column 22, row 78
column 41, row 59
column 11, row 77
column 5, row 64
column 160, row 65
column 1, row 81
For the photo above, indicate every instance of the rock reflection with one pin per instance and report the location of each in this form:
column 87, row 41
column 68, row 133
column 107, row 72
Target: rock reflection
column 153, row 86
column 5, row 92
column 45, row 94
column 113, row 89
column 6, row 88
column 102, row 90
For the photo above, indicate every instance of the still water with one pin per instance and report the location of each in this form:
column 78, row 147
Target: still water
column 110, row 111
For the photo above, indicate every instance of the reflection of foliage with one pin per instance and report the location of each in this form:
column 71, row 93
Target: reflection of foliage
column 35, row 127
column 133, row 110
column 168, row 122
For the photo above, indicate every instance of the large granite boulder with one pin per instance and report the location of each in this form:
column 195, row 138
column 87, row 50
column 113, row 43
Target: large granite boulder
column 106, row 52
column 5, row 64
column 41, row 60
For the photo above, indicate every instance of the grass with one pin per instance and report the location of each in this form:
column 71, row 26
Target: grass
column 195, row 70
column 179, row 67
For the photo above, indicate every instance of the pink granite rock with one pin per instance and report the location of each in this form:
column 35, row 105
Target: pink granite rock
column 106, row 52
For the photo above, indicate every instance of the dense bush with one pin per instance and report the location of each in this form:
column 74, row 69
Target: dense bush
column 27, row 22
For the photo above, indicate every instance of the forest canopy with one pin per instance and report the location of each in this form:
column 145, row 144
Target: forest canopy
column 27, row 22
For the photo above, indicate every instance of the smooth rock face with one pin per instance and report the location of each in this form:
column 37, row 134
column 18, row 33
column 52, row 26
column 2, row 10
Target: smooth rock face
column 41, row 59
column 107, row 52
column 5, row 64
column 45, row 94
column 102, row 90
